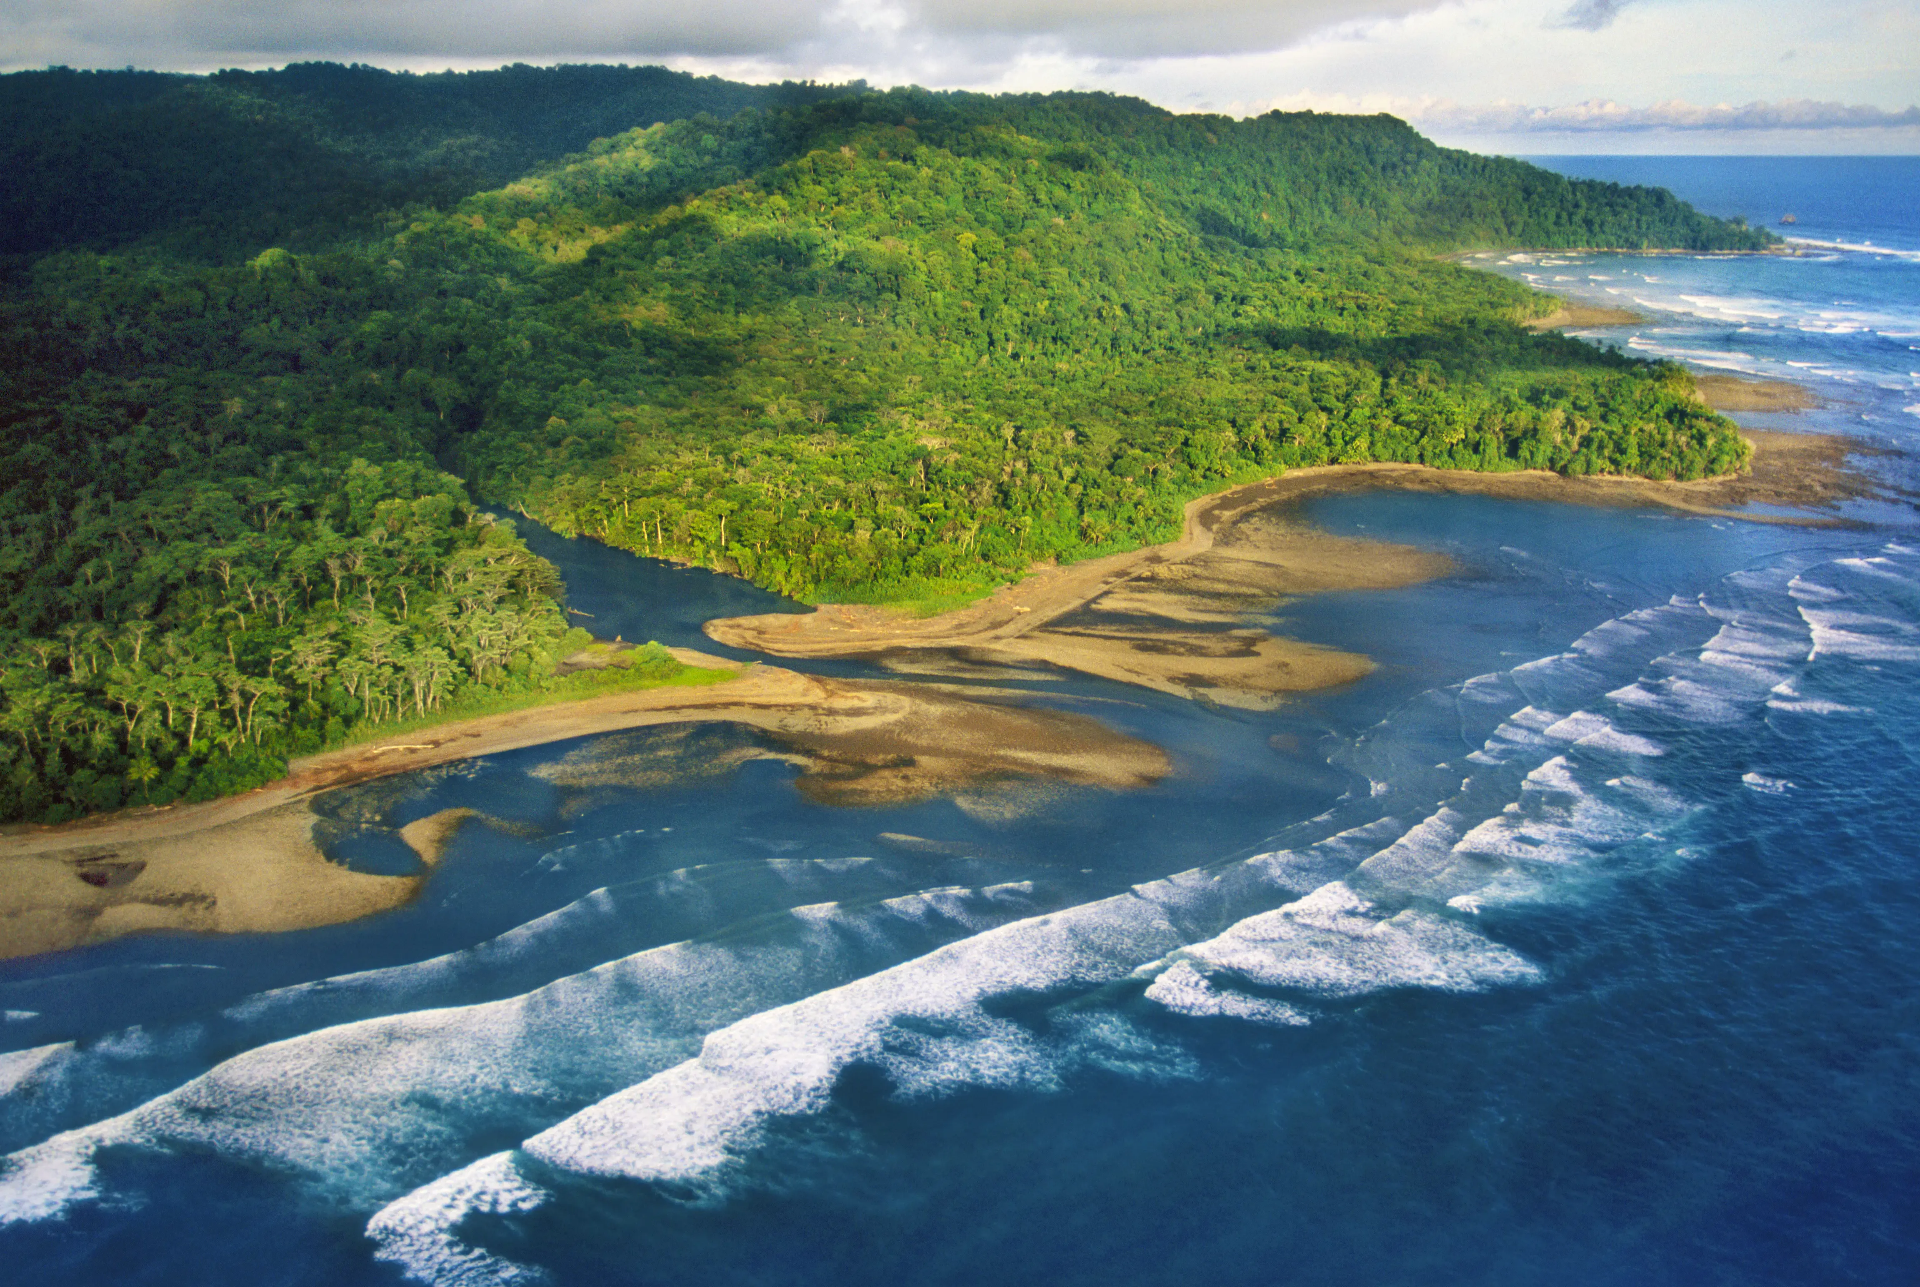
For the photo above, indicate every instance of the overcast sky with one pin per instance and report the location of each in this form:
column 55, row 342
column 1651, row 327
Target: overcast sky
column 1538, row 76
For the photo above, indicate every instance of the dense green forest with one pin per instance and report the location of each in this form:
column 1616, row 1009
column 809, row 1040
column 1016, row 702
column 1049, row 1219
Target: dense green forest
column 222, row 166
column 887, row 346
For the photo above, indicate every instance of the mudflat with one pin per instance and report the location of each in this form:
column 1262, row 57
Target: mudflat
column 1743, row 393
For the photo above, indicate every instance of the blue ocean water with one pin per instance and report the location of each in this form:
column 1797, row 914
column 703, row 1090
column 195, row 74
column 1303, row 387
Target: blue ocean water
column 1841, row 313
column 1580, row 943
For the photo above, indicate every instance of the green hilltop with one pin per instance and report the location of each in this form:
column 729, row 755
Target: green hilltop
column 882, row 346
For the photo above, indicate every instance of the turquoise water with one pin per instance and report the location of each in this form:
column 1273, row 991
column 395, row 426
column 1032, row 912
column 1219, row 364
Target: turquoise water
column 1577, row 944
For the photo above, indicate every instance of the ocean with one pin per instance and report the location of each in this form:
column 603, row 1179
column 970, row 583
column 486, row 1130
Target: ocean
column 1579, row 943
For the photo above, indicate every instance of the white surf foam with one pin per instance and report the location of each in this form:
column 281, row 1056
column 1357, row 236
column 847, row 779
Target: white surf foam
column 1861, row 636
column 1335, row 945
column 113, row 1073
column 1855, row 247
column 1519, row 733
column 1559, row 820
column 43, row 1183
column 1713, row 687
column 1185, row 990
column 416, row 1232
column 1814, row 706
column 18, row 1067
column 361, row 1109
column 1590, row 731
column 686, row 1124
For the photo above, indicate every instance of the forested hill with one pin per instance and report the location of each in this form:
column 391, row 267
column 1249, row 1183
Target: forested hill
column 1301, row 178
column 222, row 166
column 887, row 346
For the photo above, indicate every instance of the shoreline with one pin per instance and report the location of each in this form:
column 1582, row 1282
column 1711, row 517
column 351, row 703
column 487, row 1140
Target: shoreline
column 1015, row 624
column 1170, row 618
column 250, row 863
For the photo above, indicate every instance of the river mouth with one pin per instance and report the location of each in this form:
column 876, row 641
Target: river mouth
column 1573, row 942
column 1258, row 904
column 1195, row 619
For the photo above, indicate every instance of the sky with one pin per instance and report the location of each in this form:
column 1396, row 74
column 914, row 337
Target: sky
column 1537, row 77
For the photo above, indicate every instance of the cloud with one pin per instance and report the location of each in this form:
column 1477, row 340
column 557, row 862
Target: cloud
column 800, row 32
column 1605, row 116
column 1152, row 28
column 166, row 30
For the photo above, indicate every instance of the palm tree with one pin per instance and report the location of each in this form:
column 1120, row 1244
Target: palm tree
column 141, row 773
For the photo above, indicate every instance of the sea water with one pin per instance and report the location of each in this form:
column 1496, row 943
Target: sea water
column 1576, row 944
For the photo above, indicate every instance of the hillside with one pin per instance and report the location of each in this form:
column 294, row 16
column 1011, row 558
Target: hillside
column 874, row 346
column 931, row 346
column 219, row 167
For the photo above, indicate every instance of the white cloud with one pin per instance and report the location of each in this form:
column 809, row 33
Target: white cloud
column 198, row 33
column 1455, row 67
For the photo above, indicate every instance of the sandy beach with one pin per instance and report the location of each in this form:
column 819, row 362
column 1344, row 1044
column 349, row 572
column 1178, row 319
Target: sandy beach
column 250, row 863
column 1573, row 315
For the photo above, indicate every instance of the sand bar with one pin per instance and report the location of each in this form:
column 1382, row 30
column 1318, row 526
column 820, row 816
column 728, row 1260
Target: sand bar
column 1170, row 617
column 249, row 863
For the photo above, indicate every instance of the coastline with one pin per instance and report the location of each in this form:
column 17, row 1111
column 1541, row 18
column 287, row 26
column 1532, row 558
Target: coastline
column 1170, row 618
column 1014, row 625
column 249, row 863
